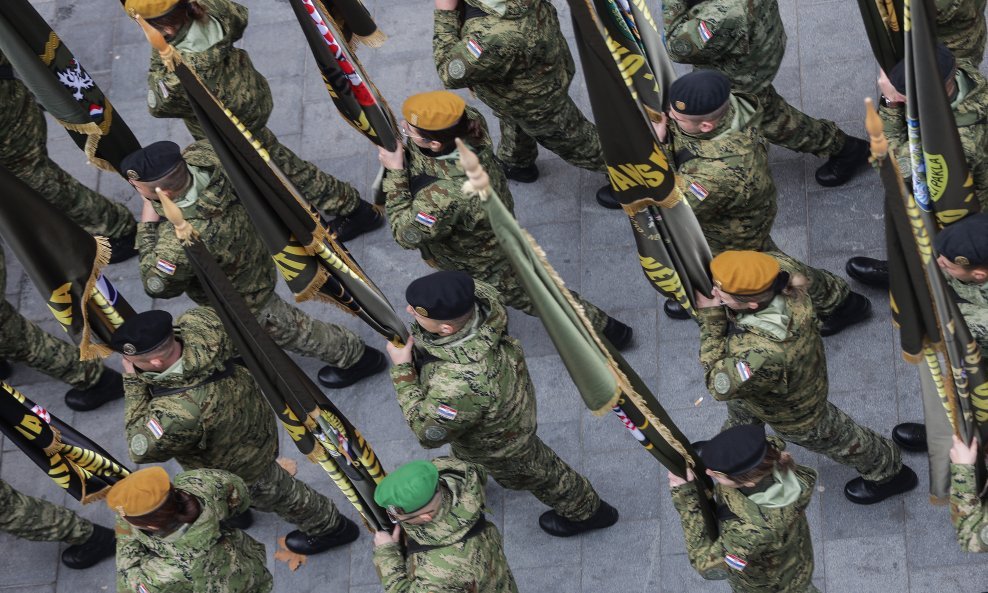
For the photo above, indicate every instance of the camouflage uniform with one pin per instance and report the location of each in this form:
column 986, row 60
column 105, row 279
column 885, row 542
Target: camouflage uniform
column 228, row 72
column 970, row 109
column 39, row 520
column 773, row 544
column 770, row 367
column 968, row 513
column 973, row 304
column 725, row 177
column 202, row 557
column 428, row 211
column 517, row 62
column 472, row 390
column 456, row 561
column 960, row 25
column 24, row 151
column 745, row 39
column 227, row 231
column 217, row 418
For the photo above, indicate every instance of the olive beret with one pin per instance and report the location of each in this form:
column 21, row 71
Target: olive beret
column 142, row 333
column 734, row 451
column 700, row 92
column 140, row 493
column 744, row 272
column 152, row 162
column 150, row 9
column 442, row 295
column 434, row 111
column 965, row 242
column 945, row 64
column 408, row 488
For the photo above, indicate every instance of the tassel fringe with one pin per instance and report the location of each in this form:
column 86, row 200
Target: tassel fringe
column 87, row 349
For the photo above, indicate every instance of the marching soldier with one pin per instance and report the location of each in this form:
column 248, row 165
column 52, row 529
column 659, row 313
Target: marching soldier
column 449, row 543
column 722, row 169
column 204, row 31
column 196, row 182
column 461, row 379
column 960, row 25
column 761, row 352
column 745, row 39
column 172, row 538
column 968, row 513
column 24, row 152
column 764, row 542
column 38, row 520
column 428, row 211
column 190, row 397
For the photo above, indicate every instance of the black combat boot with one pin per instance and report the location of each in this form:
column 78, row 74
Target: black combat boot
column 108, row 388
column 605, row 197
column 239, row 521
column 370, row 363
column 554, row 524
column 910, row 436
column 300, row 543
column 5, row 369
column 364, row 219
column 853, row 309
column 527, row 174
column 862, row 491
column 618, row 334
column 868, row 271
column 122, row 248
column 674, row 310
column 841, row 167
column 101, row 544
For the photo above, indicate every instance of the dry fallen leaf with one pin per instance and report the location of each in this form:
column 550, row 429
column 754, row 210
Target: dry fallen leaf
column 290, row 558
column 289, row 465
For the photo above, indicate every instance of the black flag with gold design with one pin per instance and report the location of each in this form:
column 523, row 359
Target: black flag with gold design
column 883, row 26
column 80, row 466
column 62, row 86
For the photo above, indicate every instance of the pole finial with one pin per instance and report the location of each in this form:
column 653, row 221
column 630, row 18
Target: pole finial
column 876, row 132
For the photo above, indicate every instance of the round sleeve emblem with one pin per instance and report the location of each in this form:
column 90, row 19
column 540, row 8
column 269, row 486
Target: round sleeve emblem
column 139, row 444
column 152, row 99
column 680, row 47
column 984, row 535
column 155, row 285
column 435, row 433
column 456, row 68
column 411, row 235
column 722, row 383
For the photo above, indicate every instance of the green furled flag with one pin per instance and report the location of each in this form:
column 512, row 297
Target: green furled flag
column 70, row 459
column 603, row 378
column 62, row 86
column 617, row 51
column 318, row 429
column 313, row 263
column 65, row 263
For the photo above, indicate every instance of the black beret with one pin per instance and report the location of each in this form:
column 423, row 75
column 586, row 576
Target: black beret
column 945, row 64
column 443, row 295
column 700, row 92
column 151, row 162
column 142, row 333
column 965, row 242
column 734, row 451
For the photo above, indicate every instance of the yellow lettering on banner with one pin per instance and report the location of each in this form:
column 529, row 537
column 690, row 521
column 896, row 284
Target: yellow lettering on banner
column 937, row 175
column 628, row 175
column 30, row 426
column 289, row 267
column 62, row 296
column 59, row 471
column 664, row 278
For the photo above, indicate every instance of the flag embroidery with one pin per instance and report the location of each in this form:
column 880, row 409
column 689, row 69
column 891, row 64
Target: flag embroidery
column 155, row 428
column 704, row 30
column 446, row 412
column 426, row 219
column 42, row 413
column 744, row 370
column 95, row 110
column 735, row 562
column 698, row 190
column 166, row 266
column 474, row 48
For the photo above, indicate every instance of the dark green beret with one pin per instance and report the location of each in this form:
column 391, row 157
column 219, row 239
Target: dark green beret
column 734, row 451
column 152, row 162
column 142, row 333
column 700, row 92
column 408, row 488
column 945, row 65
column 443, row 295
column 965, row 242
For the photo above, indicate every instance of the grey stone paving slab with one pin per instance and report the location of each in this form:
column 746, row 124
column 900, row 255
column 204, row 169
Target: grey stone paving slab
column 876, row 563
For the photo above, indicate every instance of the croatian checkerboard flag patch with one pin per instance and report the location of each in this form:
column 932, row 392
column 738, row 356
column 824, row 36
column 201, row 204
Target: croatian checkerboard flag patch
column 154, row 427
column 735, row 562
column 446, row 412
column 474, row 48
column 426, row 219
column 165, row 266
column 698, row 190
column 704, row 30
column 141, row 588
column 744, row 370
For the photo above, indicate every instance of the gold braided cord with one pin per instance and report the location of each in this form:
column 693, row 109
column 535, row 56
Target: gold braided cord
column 51, row 46
column 88, row 350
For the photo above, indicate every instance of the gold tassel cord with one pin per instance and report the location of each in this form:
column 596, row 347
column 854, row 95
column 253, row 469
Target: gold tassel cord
column 183, row 230
column 87, row 349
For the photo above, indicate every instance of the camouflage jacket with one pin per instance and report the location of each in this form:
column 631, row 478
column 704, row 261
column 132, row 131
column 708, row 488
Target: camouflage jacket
column 973, row 304
column 760, row 549
column 961, row 27
column 458, row 564
column 204, row 558
column 971, row 116
column 967, row 512
column 725, row 177
column 226, row 71
column 508, row 60
column 24, row 133
column 782, row 379
column 472, row 388
column 429, row 212
column 744, row 39
column 222, row 422
column 225, row 229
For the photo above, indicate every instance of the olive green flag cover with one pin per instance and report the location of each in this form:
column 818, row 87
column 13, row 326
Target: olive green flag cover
column 62, row 86
column 313, row 263
column 624, row 88
column 317, row 427
column 603, row 378
column 74, row 462
column 65, row 264
column 882, row 21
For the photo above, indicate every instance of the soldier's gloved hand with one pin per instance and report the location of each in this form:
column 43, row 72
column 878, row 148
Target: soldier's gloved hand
column 392, row 160
column 447, row 4
column 383, row 538
column 403, row 354
column 963, row 454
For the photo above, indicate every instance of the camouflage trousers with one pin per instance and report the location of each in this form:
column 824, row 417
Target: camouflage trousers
column 514, row 295
column 538, row 469
column 294, row 330
column 826, row 289
column 23, row 341
column 837, row 436
column 556, row 124
column 789, row 127
column 39, row 520
column 277, row 491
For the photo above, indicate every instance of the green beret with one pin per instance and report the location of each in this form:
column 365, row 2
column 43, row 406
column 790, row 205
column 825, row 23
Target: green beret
column 443, row 295
column 700, row 92
column 408, row 488
column 965, row 242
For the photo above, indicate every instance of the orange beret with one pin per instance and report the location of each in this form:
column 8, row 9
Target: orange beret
column 139, row 493
column 433, row 111
column 150, row 9
column 744, row 272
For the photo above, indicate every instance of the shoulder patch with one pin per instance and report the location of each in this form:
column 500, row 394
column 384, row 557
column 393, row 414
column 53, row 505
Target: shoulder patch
column 435, row 433
column 456, row 68
column 984, row 535
column 446, row 412
column 474, row 48
column 141, row 588
column 698, row 190
column 138, row 444
column 165, row 266
column 155, row 285
column 411, row 235
column 154, row 427
column 744, row 371
column 703, row 30
column 152, row 99
column 722, row 383
column 735, row 562
column 425, row 219
column 681, row 47
column 163, row 88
